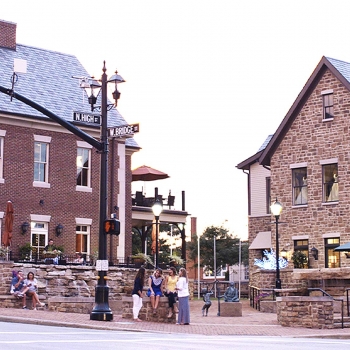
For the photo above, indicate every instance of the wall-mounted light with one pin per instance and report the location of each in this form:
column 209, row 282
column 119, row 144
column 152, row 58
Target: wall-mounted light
column 59, row 229
column 284, row 254
column 24, row 227
column 314, row 253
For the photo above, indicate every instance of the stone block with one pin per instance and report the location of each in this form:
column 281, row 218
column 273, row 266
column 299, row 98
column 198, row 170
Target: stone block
column 231, row 309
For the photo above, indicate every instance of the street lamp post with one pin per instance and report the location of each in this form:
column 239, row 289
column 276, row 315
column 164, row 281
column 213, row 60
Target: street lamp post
column 276, row 209
column 102, row 311
column 157, row 209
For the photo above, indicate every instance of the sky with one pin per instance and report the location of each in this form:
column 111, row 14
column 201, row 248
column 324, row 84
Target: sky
column 207, row 81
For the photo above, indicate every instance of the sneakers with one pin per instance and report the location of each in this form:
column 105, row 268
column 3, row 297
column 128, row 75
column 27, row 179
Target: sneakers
column 24, row 307
column 42, row 304
column 170, row 314
column 34, row 308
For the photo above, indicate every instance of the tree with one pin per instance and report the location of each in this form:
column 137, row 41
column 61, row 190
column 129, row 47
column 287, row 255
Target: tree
column 227, row 248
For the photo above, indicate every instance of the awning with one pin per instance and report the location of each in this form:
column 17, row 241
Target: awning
column 343, row 248
column 262, row 241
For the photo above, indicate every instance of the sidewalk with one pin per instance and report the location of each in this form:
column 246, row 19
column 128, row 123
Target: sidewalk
column 251, row 323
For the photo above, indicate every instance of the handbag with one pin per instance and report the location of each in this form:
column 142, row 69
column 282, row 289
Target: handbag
column 149, row 292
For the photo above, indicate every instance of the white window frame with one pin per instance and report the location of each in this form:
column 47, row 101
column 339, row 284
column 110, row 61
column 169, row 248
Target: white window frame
column 2, row 142
column 87, row 223
column 84, row 145
column 43, row 140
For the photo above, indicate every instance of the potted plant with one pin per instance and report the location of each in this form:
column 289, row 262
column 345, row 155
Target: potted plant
column 25, row 251
column 140, row 259
column 299, row 259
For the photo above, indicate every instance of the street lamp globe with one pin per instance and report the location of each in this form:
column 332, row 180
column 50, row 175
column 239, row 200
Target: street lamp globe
column 276, row 208
column 157, row 208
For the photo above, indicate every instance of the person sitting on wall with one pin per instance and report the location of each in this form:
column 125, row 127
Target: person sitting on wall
column 231, row 293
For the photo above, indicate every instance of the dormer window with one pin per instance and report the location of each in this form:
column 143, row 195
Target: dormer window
column 327, row 97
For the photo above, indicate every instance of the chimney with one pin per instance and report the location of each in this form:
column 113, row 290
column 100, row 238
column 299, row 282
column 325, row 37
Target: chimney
column 193, row 227
column 8, row 35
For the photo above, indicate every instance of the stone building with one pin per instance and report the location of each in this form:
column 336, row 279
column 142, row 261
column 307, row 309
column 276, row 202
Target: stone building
column 304, row 164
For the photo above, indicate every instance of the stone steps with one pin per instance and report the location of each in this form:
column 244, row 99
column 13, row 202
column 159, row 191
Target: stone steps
column 337, row 322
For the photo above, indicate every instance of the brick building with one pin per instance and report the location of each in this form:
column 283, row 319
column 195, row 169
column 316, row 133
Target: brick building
column 305, row 165
column 51, row 176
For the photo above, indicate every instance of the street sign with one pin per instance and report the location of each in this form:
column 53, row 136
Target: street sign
column 87, row 118
column 124, row 130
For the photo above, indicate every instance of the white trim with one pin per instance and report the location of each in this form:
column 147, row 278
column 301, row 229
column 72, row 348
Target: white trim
column 41, row 184
column 41, row 218
column 83, row 221
column 300, row 238
column 2, row 133
column 2, row 214
column 327, row 92
column 40, row 138
column 83, row 189
column 298, row 165
column 328, row 161
column 83, row 144
column 331, row 235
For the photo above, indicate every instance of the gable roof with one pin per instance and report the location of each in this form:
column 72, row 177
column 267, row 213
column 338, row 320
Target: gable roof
column 340, row 69
column 245, row 165
column 49, row 83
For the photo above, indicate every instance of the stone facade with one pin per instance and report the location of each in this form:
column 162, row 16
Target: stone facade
column 307, row 312
column 306, row 140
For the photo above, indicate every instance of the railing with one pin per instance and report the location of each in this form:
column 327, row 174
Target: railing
column 347, row 301
column 257, row 294
column 328, row 295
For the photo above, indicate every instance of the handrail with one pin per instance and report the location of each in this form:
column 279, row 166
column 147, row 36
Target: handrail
column 256, row 294
column 347, row 300
column 324, row 293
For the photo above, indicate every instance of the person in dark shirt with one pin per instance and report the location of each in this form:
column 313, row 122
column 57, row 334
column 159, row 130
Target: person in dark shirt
column 138, row 292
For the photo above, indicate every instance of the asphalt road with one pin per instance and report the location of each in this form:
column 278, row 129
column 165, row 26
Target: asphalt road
column 35, row 337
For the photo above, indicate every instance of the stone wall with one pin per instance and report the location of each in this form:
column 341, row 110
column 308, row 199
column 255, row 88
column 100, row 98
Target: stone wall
column 307, row 312
column 74, row 286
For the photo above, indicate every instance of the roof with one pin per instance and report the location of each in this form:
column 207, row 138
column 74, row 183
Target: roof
column 245, row 165
column 340, row 69
column 49, row 83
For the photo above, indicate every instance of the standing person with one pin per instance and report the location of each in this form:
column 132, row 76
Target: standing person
column 137, row 293
column 155, row 283
column 50, row 248
column 183, row 295
column 31, row 287
column 170, row 292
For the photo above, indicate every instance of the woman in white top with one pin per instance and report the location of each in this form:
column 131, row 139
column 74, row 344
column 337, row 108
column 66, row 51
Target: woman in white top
column 31, row 288
column 183, row 296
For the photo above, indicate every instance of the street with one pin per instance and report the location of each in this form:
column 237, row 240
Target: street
column 35, row 337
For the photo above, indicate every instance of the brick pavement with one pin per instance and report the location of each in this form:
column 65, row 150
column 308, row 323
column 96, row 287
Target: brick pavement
column 251, row 323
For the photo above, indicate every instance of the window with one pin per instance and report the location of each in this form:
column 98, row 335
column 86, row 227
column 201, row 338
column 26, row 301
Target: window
column 83, row 167
column 268, row 195
column 328, row 112
column 330, row 183
column 301, row 246
column 332, row 257
column 82, row 239
column 39, row 238
column 299, row 186
column 41, row 161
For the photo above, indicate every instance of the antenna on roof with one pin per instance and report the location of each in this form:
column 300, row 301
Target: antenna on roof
column 19, row 66
column 84, row 82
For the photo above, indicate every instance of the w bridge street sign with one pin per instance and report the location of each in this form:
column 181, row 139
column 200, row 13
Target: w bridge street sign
column 124, row 130
column 86, row 118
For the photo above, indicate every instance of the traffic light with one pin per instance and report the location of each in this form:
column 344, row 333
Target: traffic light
column 112, row 227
